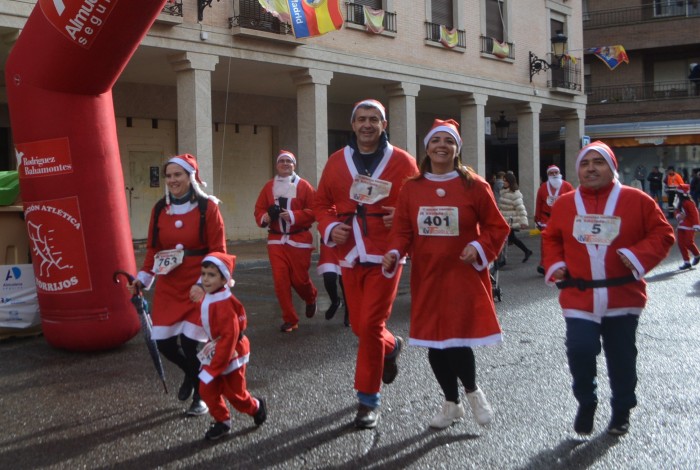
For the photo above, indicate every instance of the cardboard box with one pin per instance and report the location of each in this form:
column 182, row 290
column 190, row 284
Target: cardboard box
column 14, row 242
column 19, row 304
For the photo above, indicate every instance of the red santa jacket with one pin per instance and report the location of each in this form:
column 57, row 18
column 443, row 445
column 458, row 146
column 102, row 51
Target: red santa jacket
column 687, row 215
column 645, row 238
column 546, row 197
column 224, row 320
column 333, row 205
column 299, row 208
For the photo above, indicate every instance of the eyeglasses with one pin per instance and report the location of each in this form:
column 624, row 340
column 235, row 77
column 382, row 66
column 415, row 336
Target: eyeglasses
column 285, row 162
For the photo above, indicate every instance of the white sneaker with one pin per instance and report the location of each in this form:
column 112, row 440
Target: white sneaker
column 450, row 413
column 482, row 411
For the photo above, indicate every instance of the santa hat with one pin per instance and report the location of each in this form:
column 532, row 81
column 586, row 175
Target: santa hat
column 450, row 126
column 189, row 164
column 288, row 154
column 371, row 104
column 226, row 263
column 602, row 149
column 553, row 168
column 683, row 189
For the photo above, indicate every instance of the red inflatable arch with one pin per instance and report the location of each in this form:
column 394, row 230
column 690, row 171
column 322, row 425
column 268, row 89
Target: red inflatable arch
column 59, row 79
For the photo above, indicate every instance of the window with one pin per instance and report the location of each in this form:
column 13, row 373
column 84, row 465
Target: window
column 496, row 20
column 669, row 8
column 442, row 13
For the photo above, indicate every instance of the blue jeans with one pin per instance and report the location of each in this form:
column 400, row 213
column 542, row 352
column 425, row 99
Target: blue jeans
column 583, row 344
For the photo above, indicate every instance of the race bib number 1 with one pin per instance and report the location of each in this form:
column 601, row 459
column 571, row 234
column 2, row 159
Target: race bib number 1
column 596, row 229
column 368, row 190
column 438, row 221
column 167, row 260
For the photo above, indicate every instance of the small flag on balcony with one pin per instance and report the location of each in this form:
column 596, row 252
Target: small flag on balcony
column 277, row 8
column 374, row 20
column 500, row 49
column 611, row 55
column 448, row 37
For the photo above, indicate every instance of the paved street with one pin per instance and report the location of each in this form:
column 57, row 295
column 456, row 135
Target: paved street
column 108, row 410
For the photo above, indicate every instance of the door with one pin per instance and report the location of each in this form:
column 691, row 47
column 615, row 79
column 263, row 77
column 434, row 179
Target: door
column 144, row 187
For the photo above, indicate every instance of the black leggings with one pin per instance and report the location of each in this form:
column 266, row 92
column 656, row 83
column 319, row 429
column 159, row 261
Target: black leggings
column 330, row 282
column 450, row 364
column 515, row 241
column 183, row 355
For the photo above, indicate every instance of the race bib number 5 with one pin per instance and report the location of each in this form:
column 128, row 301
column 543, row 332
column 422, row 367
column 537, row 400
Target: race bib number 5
column 596, row 229
column 368, row 190
column 438, row 221
column 167, row 260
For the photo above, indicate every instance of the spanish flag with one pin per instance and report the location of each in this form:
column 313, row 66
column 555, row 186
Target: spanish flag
column 315, row 17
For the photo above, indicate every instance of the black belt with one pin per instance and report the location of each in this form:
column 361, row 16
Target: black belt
column 362, row 215
column 276, row 232
column 583, row 284
column 201, row 252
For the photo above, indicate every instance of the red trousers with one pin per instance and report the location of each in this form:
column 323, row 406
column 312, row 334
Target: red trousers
column 370, row 296
column 686, row 243
column 290, row 268
column 232, row 387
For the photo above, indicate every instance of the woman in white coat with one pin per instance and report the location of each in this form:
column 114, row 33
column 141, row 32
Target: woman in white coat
column 513, row 209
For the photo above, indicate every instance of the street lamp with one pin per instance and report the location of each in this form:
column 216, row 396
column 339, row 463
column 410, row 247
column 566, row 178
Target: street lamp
column 538, row 65
column 502, row 126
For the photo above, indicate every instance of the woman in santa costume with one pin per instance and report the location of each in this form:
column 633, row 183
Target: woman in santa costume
column 227, row 351
column 448, row 219
column 547, row 195
column 284, row 208
column 185, row 225
column 600, row 242
column 687, row 216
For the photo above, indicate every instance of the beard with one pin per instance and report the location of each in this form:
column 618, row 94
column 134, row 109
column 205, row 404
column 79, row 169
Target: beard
column 555, row 181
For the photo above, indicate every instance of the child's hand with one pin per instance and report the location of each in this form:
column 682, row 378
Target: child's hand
column 196, row 293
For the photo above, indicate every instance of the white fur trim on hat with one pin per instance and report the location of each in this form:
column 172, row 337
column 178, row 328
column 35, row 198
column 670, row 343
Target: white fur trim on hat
column 223, row 268
column 287, row 153
column 602, row 149
column 369, row 103
column 450, row 130
column 553, row 167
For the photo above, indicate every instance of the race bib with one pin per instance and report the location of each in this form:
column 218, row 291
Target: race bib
column 368, row 190
column 438, row 221
column 167, row 260
column 596, row 229
column 551, row 200
column 207, row 353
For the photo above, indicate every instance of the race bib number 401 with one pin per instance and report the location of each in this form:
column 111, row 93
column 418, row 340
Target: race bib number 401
column 596, row 229
column 366, row 190
column 436, row 221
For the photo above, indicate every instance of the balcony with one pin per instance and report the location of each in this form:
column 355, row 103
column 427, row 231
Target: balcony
column 355, row 15
column 487, row 47
column 658, row 10
column 171, row 14
column 647, row 91
column 253, row 21
column 432, row 34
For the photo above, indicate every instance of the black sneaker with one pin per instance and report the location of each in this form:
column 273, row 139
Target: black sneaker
column 186, row 389
column 311, row 310
column 619, row 424
column 540, row 269
column 288, row 327
column 366, row 418
column 696, row 260
column 197, row 408
column 391, row 366
column 528, row 253
column 684, row 266
column 217, row 431
column 585, row 416
column 330, row 313
column 260, row 416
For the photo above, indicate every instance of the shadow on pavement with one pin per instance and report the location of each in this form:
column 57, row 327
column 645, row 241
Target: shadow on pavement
column 574, row 453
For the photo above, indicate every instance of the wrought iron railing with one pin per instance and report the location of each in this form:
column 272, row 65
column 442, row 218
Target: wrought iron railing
column 564, row 73
column 253, row 16
column 487, row 47
column 659, row 9
column 173, row 8
column 432, row 33
column 355, row 14
column 630, row 92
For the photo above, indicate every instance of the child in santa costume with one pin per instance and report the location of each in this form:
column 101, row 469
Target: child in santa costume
column 600, row 242
column 547, row 195
column 448, row 220
column 225, row 356
column 687, row 216
column 284, row 208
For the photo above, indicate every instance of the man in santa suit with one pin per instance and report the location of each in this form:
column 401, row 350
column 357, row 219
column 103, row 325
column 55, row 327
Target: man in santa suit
column 227, row 352
column 284, row 208
column 547, row 195
column 354, row 208
column 600, row 242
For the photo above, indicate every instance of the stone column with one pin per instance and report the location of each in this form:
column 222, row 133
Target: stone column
column 194, row 120
column 472, row 130
column 312, row 122
column 574, row 120
column 402, row 115
column 529, row 153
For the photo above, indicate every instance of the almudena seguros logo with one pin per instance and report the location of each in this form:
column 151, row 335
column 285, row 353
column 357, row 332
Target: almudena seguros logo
column 13, row 274
column 80, row 21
